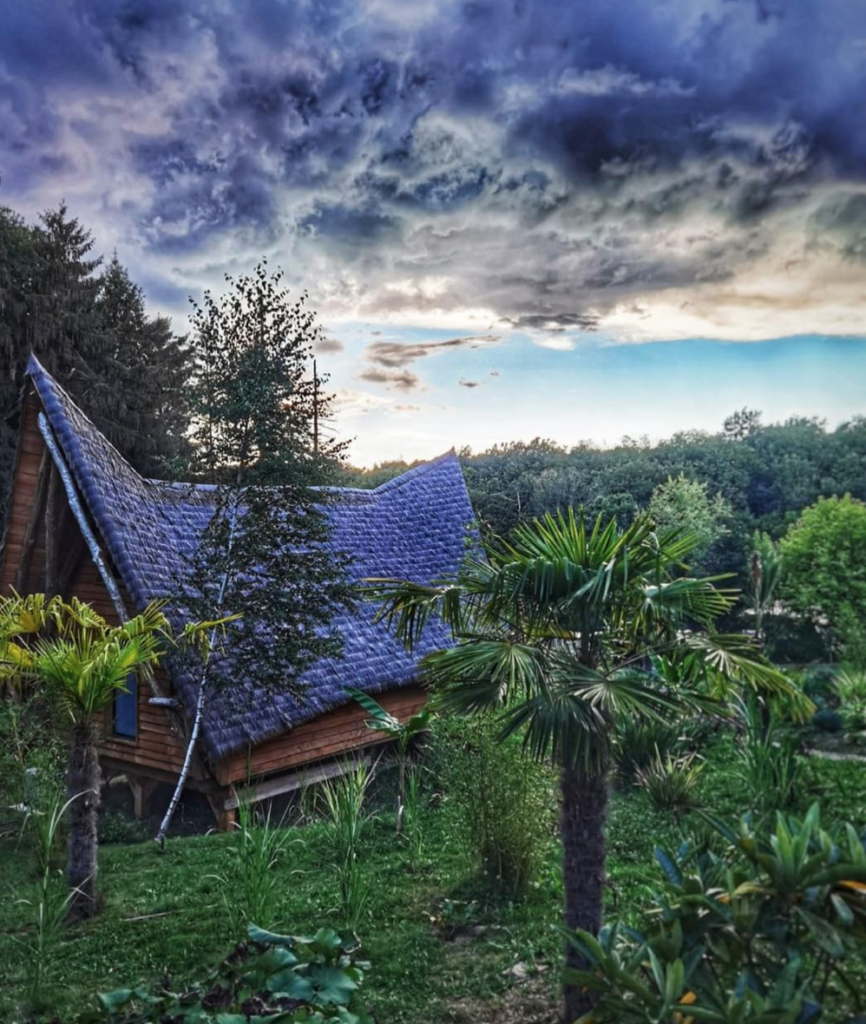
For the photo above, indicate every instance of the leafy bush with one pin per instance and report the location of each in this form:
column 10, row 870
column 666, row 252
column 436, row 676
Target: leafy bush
column 117, row 827
column 770, row 929
column 32, row 760
column 285, row 978
column 672, row 781
column 639, row 741
column 504, row 802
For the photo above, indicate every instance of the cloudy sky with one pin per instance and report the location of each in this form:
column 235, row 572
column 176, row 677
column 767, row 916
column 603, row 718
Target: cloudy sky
column 515, row 217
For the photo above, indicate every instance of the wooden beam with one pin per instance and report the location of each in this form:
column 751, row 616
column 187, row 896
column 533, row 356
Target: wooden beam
column 118, row 764
column 296, row 780
column 51, row 530
column 226, row 817
column 142, row 790
column 33, row 521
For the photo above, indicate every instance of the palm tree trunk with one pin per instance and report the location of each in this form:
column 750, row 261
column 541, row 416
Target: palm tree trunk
column 584, row 808
column 83, row 778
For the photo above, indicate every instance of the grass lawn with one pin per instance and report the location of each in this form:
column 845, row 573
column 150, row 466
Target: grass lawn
column 442, row 947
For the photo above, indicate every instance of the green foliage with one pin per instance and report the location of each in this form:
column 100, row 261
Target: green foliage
column 254, row 402
column 90, row 329
column 71, row 651
column 344, row 799
column 117, row 827
column 824, row 553
column 765, row 575
column 685, row 504
column 32, row 757
column 401, row 733
column 672, row 781
column 250, row 883
column 850, row 688
column 639, row 741
column 503, row 804
column 768, row 758
column 770, row 930
column 274, row 978
column 50, row 901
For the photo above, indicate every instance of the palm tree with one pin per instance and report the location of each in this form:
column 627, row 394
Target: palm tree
column 554, row 632
column 82, row 662
column 402, row 733
column 765, row 574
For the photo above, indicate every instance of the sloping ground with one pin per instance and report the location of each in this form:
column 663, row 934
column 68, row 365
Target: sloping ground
column 443, row 951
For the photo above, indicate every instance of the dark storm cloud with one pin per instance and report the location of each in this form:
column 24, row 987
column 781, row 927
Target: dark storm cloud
column 534, row 154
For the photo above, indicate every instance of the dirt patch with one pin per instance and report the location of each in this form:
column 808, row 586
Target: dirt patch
column 533, row 1001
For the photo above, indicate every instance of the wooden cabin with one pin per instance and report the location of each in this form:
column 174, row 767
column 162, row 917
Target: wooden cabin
column 82, row 522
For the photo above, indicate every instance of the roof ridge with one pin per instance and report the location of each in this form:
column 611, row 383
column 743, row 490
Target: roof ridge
column 36, row 370
column 410, row 474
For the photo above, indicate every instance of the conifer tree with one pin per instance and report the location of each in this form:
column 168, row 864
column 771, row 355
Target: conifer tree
column 266, row 554
column 148, row 367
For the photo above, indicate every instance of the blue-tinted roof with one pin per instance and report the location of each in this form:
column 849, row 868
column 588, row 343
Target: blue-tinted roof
column 414, row 527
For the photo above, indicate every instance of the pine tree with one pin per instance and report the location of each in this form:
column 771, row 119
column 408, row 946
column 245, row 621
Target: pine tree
column 265, row 555
column 148, row 367
column 16, row 268
column 91, row 331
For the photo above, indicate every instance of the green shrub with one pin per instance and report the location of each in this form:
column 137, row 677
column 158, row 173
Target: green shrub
column 770, row 928
column 672, row 781
column 117, row 827
column 639, row 741
column 272, row 978
column 503, row 802
column 32, row 762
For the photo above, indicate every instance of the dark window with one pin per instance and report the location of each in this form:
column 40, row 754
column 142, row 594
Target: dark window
column 125, row 710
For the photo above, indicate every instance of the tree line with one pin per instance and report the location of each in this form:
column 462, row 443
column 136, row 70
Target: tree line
column 85, row 320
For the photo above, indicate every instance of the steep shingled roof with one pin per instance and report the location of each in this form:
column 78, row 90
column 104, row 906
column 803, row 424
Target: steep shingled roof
column 414, row 526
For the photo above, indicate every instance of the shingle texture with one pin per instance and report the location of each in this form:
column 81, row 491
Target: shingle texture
column 412, row 527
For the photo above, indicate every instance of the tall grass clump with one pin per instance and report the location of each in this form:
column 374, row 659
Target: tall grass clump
column 849, row 686
column 251, row 886
column 413, row 829
column 504, row 803
column 768, row 758
column 344, row 799
column 46, row 925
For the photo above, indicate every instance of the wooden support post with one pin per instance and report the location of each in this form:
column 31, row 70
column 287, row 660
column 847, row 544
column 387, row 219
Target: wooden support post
column 226, row 818
column 142, row 790
column 33, row 521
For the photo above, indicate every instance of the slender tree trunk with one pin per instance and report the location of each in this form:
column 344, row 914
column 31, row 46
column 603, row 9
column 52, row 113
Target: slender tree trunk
column 584, row 807
column 83, row 778
column 187, row 763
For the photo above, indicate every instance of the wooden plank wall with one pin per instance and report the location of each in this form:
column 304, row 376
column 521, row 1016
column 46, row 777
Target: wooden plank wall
column 31, row 447
column 326, row 736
